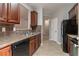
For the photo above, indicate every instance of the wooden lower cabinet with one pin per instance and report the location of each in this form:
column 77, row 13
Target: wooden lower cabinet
column 6, row 51
column 39, row 39
column 69, row 45
column 34, row 44
column 31, row 47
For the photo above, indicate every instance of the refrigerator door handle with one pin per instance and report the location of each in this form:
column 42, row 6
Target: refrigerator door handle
column 62, row 28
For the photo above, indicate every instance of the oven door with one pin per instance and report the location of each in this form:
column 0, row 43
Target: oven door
column 74, row 47
column 75, row 50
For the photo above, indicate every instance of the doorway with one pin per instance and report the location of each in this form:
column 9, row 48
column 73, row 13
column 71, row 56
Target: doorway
column 53, row 31
column 46, row 28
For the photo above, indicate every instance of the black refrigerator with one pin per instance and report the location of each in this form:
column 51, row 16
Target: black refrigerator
column 68, row 27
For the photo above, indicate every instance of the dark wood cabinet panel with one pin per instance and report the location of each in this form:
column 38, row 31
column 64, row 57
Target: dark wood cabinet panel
column 73, row 12
column 6, row 51
column 9, row 13
column 13, row 13
column 39, row 39
column 76, row 9
column 31, row 47
column 69, row 50
column 34, row 19
column 34, row 44
column 3, row 12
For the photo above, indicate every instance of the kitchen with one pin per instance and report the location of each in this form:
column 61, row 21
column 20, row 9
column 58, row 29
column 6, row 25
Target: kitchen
column 21, row 32
column 16, row 42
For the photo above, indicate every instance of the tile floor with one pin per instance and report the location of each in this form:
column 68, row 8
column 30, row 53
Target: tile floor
column 50, row 48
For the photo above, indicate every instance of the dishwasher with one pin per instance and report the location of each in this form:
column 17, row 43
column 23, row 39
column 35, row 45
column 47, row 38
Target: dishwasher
column 20, row 48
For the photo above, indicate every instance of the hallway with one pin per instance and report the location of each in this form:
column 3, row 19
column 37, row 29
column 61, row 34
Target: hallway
column 50, row 48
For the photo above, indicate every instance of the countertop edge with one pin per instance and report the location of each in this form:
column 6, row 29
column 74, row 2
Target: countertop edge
column 10, row 43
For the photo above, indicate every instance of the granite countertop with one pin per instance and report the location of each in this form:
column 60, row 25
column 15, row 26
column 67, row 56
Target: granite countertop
column 9, row 38
column 73, row 36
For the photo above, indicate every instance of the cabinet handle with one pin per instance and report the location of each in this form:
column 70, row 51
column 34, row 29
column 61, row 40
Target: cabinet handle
column 14, row 46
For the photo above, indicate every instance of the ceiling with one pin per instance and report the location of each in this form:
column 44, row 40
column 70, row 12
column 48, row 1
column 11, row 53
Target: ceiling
column 50, row 8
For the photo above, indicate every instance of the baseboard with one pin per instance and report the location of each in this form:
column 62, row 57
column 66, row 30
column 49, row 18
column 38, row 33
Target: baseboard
column 56, row 41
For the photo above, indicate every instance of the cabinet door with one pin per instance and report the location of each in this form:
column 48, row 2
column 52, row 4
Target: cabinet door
column 73, row 12
column 33, row 18
column 39, row 38
column 31, row 47
column 76, row 11
column 13, row 13
column 36, row 42
column 3, row 12
column 71, row 48
column 68, row 44
column 5, row 51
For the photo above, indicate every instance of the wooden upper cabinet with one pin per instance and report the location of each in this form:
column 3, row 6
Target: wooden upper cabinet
column 73, row 12
column 9, row 13
column 33, row 18
column 3, row 12
column 76, row 8
column 13, row 13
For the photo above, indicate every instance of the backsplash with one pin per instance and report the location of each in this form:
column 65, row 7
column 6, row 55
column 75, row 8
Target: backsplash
column 7, row 27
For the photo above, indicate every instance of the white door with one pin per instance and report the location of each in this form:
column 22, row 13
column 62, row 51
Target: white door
column 54, row 29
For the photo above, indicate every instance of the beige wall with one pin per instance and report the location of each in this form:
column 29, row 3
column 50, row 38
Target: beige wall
column 23, row 19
